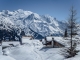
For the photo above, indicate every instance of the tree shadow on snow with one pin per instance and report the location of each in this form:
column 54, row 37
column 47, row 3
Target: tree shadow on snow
column 45, row 49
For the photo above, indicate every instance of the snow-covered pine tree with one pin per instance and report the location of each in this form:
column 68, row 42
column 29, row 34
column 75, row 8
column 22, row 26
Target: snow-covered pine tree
column 72, row 30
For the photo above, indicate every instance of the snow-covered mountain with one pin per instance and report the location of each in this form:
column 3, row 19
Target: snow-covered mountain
column 26, row 20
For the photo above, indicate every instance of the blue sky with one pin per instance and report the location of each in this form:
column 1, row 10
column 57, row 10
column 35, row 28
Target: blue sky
column 54, row 8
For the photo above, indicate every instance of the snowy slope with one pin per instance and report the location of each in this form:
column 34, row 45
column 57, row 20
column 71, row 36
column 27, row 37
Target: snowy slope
column 33, row 50
column 42, row 24
column 6, row 58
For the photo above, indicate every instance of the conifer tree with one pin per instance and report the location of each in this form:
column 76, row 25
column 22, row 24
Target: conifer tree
column 72, row 30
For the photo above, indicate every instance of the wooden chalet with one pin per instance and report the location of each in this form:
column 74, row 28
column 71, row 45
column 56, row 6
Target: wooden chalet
column 52, row 42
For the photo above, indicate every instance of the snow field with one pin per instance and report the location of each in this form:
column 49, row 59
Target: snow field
column 34, row 50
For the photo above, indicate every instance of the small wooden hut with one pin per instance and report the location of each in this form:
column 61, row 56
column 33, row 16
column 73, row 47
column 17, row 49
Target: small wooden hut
column 52, row 42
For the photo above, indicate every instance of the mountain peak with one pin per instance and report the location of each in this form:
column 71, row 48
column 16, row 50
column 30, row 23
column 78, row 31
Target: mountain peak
column 42, row 24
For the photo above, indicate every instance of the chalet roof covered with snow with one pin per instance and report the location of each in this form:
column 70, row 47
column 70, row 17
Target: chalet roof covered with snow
column 57, row 39
column 49, row 38
column 60, row 40
column 7, row 43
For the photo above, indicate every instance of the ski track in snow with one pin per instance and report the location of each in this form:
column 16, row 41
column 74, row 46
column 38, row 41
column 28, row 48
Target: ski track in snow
column 37, row 53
